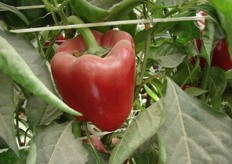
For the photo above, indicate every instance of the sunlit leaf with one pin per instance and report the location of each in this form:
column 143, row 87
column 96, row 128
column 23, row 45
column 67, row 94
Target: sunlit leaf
column 57, row 144
column 139, row 131
column 194, row 132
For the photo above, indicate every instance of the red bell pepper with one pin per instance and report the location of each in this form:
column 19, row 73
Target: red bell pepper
column 101, row 88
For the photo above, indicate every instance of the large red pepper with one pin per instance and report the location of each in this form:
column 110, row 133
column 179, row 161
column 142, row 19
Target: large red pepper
column 101, row 88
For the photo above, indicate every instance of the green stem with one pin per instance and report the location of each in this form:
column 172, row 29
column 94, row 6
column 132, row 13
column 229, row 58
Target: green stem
column 191, row 73
column 90, row 41
column 205, row 80
column 146, row 53
column 91, row 144
column 50, row 8
column 162, row 151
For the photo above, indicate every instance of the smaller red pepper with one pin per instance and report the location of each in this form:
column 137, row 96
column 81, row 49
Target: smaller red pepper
column 221, row 57
column 59, row 40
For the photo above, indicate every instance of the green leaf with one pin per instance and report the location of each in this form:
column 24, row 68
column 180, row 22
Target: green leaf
column 186, row 31
column 169, row 3
column 138, row 133
column 224, row 9
column 151, row 93
column 217, row 85
column 194, row 132
column 56, row 144
column 139, row 39
column 7, row 108
column 14, row 10
column 38, row 111
column 208, row 40
column 194, row 91
column 148, row 156
column 186, row 71
column 168, row 55
column 96, row 11
column 9, row 157
column 12, row 64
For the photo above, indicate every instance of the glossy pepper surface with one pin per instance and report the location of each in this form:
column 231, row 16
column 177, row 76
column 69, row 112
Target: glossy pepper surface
column 101, row 88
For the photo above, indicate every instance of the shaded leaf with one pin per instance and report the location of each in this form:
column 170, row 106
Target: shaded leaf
column 217, row 85
column 186, row 31
column 224, row 9
column 186, row 73
column 194, row 132
column 171, row 3
column 168, row 55
column 56, row 144
column 138, row 133
column 14, row 10
column 194, row 91
column 9, row 157
column 96, row 11
column 7, row 108
column 148, row 156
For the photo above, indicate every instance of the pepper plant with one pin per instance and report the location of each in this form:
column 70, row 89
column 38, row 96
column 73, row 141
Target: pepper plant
column 132, row 81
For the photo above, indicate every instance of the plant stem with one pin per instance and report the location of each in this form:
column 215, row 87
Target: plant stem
column 162, row 151
column 145, row 57
column 50, row 8
column 90, row 41
column 98, row 161
column 205, row 79
column 191, row 73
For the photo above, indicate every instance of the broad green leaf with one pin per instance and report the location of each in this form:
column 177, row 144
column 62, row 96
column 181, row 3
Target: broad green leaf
column 7, row 108
column 217, row 85
column 224, row 9
column 56, row 144
column 38, row 111
column 168, row 55
column 12, row 64
column 194, row 132
column 141, row 129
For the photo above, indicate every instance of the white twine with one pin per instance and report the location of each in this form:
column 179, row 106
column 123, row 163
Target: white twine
column 110, row 23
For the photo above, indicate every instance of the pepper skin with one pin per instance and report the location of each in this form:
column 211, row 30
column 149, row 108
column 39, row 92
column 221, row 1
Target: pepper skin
column 101, row 88
column 221, row 57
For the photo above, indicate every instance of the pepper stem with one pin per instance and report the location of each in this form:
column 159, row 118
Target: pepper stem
column 90, row 41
